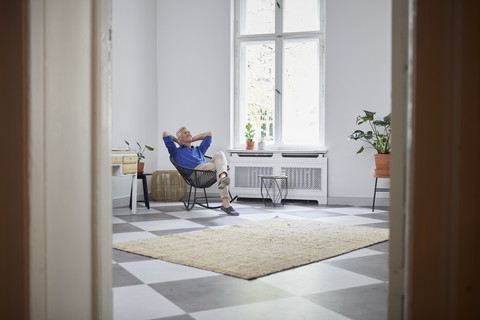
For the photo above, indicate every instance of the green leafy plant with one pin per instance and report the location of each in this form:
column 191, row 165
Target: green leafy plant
column 263, row 133
column 379, row 137
column 250, row 133
column 140, row 150
column 265, row 118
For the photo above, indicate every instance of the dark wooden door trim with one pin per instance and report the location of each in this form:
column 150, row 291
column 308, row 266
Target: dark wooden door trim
column 443, row 239
column 14, row 203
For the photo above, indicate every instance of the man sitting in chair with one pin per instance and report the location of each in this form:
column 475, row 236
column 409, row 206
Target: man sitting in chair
column 193, row 157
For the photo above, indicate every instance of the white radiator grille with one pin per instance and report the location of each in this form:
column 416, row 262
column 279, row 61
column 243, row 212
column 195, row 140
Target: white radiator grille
column 306, row 172
column 247, row 177
column 304, row 178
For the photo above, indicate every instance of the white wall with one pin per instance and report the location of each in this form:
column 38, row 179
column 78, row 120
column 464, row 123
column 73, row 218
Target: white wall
column 134, row 83
column 194, row 78
column 358, row 76
column 194, row 70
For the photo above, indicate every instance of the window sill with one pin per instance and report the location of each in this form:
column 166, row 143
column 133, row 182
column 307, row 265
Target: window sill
column 284, row 152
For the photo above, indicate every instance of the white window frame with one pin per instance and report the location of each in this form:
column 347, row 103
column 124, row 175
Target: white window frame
column 277, row 37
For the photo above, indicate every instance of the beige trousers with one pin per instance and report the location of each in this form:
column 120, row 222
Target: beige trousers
column 218, row 164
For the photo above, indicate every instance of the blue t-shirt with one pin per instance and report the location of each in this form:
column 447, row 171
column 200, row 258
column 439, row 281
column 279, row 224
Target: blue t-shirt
column 185, row 156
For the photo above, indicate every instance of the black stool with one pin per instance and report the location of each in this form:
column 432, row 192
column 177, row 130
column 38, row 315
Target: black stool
column 375, row 190
column 142, row 176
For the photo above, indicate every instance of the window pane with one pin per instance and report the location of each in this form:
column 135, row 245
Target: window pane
column 258, row 16
column 301, row 15
column 301, row 92
column 258, row 88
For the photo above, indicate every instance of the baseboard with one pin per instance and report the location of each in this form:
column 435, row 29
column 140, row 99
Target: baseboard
column 125, row 201
column 120, row 202
column 357, row 201
column 337, row 201
column 333, row 201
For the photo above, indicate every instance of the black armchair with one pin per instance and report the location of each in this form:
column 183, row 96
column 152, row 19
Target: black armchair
column 198, row 179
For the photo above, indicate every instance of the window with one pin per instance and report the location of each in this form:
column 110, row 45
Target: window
column 279, row 72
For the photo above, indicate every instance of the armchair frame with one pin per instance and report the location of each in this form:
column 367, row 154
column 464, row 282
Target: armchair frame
column 198, row 179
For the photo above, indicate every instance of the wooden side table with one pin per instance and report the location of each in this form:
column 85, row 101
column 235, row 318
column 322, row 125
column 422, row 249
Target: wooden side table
column 379, row 176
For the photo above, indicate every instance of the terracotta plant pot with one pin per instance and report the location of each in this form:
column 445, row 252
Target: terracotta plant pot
column 250, row 145
column 140, row 167
column 382, row 164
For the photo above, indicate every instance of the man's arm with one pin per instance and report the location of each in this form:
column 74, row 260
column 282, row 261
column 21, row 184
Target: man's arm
column 202, row 136
column 168, row 140
column 166, row 134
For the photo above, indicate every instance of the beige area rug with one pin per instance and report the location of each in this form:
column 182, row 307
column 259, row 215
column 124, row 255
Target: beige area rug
column 256, row 249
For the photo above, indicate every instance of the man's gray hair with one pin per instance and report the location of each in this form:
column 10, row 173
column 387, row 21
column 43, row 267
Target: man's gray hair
column 179, row 130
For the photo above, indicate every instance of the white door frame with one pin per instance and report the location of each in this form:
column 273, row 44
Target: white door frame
column 69, row 159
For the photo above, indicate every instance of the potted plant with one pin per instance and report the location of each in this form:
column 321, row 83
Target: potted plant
column 379, row 138
column 249, row 135
column 140, row 156
column 263, row 134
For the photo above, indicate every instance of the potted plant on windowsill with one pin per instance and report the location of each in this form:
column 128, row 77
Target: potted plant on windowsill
column 140, row 156
column 263, row 134
column 249, row 135
column 379, row 138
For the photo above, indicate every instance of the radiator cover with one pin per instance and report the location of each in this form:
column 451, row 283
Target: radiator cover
column 306, row 171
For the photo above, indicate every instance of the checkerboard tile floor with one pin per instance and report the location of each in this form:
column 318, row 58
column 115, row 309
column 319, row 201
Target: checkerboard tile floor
column 350, row 286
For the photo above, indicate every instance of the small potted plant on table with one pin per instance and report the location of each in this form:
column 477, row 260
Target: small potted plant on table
column 379, row 137
column 140, row 156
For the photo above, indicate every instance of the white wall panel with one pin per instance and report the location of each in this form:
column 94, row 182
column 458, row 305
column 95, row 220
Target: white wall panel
column 134, row 83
